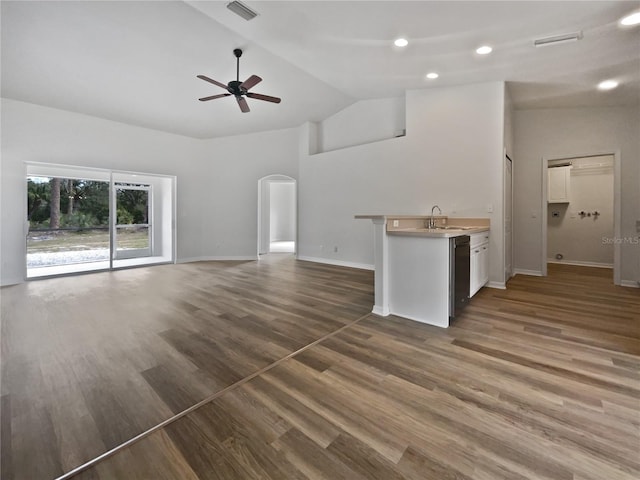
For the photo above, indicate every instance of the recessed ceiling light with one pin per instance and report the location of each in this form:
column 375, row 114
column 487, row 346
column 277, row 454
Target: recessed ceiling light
column 432, row 75
column 484, row 50
column 633, row 19
column 607, row 85
column 401, row 42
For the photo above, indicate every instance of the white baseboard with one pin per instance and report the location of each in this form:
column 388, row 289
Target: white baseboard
column 340, row 263
column 217, row 259
column 629, row 283
column 499, row 285
column 578, row 263
column 11, row 281
column 522, row 271
column 383, row 312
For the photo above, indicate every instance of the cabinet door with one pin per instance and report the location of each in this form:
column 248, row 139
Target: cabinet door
column 479, row 271
column 474, row 271
column 559, row 184
column 483, row 260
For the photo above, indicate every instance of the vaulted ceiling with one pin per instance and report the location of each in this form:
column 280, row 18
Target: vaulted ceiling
column 136, row 62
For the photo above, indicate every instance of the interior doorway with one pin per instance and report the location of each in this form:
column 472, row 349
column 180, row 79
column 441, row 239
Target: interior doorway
column 581, row 212
column 277, row 214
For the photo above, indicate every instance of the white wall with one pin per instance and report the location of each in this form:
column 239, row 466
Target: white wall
column 564, row 133
column 363, row 122
column 282, row 214
column 216, row 179
column 233, row 166
column 32, row 133
column 452, row 155
column 508, row 123
column 579, row 239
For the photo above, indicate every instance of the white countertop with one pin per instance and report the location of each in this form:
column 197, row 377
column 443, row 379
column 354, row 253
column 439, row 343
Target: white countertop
column 414, row 225
column 438, row 232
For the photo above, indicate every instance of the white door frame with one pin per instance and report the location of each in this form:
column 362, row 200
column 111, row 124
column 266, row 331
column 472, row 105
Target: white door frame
column 508, row 196
column 264, row 208
column 617, row 218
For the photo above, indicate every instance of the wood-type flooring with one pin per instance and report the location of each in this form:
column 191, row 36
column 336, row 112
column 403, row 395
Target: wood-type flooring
column 91, row 361
column 539, row 381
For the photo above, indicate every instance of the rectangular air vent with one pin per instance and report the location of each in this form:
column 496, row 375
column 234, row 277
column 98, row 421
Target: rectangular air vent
column 242, row 10
column 556, row 39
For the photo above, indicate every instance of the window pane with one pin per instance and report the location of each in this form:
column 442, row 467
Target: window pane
column 132, row 206
column 134, row 237
column 132, row 221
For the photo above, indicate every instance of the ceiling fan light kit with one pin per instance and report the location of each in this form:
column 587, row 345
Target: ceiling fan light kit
column 239, row 89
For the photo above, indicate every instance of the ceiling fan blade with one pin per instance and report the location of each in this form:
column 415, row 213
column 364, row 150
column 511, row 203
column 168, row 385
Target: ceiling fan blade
column 213, row 97
column 242, row 102
column 252, row 81
column 211, row 80
column 266, row 98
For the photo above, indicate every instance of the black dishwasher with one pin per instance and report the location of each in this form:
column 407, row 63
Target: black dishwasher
column 459, row 267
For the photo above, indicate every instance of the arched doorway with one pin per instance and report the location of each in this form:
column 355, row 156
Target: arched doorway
column 277, row 214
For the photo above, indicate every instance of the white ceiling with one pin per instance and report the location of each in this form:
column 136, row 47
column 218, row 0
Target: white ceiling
column 136, row 62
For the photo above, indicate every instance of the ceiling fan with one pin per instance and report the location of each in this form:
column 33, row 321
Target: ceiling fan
column 239, row 89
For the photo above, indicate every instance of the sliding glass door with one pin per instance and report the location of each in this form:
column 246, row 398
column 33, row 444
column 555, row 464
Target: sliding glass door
column 83, row 219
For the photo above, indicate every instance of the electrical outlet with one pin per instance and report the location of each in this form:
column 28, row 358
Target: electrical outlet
column 396, row 223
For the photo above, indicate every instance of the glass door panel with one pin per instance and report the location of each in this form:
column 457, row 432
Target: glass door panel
column 68, row 224
column 132, row 232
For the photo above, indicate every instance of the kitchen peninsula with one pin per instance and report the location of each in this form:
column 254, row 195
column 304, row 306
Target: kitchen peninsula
column 415, row 264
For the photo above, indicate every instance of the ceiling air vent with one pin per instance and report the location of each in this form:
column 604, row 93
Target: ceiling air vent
column 556, row 39
column 242, row 10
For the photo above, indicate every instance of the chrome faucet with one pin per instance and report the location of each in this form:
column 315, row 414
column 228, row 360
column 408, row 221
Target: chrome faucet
column 432, row 223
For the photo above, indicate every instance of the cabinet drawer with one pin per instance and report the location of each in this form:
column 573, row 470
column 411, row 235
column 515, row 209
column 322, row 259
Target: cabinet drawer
column 478, row 239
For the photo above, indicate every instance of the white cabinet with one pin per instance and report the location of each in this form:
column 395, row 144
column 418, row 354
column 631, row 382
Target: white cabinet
column 418, row 269
column 559, row 184
column 479, row 265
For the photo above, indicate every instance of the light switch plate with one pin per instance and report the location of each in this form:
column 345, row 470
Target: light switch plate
column 396, row 223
